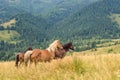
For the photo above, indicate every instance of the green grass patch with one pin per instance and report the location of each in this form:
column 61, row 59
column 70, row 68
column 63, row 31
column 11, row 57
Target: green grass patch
column 110, row 50
column 116, row 18
column 9, row 35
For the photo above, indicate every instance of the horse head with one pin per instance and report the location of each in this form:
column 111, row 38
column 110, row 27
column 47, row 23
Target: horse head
column 71, row 46
column 68, row 46
column 60, row 53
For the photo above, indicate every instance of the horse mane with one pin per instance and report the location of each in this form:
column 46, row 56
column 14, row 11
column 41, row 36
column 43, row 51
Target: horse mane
column 53, row 46
column 54, row 43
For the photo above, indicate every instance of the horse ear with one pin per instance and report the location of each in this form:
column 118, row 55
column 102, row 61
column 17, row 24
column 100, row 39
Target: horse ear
column 30, row 48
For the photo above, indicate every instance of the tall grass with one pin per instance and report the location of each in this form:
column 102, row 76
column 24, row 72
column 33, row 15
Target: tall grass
column 75, row 67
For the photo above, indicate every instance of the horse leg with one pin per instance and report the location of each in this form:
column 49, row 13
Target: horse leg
column 17, row 61
column 35, row 61
column 26, row 62
column 31, row 61
column 16, row 64
column 21, row 61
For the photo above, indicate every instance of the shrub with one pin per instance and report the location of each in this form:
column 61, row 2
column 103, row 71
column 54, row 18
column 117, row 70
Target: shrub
column 110, row 50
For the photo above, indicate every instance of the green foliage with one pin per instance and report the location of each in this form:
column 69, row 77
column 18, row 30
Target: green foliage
column 7, row 11
column 94, row 49
column 9, row 35
column 53, row 10
column 91, row 21
column 110, row 50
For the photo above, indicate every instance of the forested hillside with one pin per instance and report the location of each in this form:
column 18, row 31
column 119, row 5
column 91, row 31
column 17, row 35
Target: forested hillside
column 6, row 11
column 31, row 27
column 27, row 31
column 82, row 22
column 52, row 10
column 92, row 21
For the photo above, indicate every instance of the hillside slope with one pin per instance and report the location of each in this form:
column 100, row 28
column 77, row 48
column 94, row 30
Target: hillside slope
column 54, row 10
column 92, row 21
column 6, row 11
column 31, row 28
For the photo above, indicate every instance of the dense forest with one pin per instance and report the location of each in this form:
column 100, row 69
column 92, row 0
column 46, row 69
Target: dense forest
column 84, row 24
column 92, row 21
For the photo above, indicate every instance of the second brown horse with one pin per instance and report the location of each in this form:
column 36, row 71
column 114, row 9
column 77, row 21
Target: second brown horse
column 62, row 52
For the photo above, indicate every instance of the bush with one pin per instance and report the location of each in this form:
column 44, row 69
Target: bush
column 110, row 50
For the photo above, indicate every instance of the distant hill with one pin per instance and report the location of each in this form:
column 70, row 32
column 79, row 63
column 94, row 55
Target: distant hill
column 63, row 8
column 92, row 21
column 26, row 31
column 31, row 28
column 6, row 11
column 53, row 10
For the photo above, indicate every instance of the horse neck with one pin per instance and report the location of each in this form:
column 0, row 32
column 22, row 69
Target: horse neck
column 49, row 49
column 52, row 52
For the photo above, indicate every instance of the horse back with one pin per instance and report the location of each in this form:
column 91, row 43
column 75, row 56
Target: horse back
column 21, row 55
column 35, row 53
column 42, row 55
column 45, row 55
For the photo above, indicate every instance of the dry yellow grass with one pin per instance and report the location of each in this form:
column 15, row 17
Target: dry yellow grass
column 115, row 49
column 75, row 67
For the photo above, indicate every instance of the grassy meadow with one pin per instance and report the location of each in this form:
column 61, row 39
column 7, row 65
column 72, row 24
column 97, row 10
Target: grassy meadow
column 101, row 64
column 9, row 35
column 116, row 18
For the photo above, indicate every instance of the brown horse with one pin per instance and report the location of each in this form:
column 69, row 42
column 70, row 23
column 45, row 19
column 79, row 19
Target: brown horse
column 62, row 52
column 47, row 54
column 20, row 57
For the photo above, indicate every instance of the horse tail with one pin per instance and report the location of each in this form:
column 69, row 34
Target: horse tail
column 30, row 59
column 17, row 60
